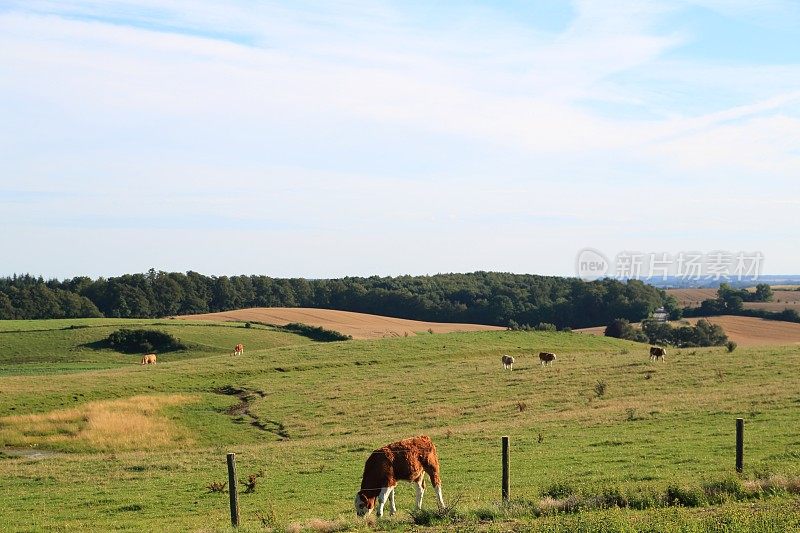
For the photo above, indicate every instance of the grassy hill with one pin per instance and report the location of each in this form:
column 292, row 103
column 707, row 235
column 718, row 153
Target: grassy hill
column 34, row 346
column 136, row 447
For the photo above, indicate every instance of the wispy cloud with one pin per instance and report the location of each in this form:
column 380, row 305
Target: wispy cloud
column 365, row 118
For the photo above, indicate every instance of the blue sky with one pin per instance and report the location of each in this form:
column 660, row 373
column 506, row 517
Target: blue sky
column 354, row 138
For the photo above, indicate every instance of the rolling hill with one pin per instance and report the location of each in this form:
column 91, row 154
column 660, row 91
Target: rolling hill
column 358, row 325
column 744, row 330
column 785, row 298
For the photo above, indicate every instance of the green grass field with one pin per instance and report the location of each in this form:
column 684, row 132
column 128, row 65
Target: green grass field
column 135, row 448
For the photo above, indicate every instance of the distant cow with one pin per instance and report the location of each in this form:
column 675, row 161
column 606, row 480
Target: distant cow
column 546, row 357
column 238, row 349
column 406, row 460
column 657, row 352
column 149, row 359
column 508, row 362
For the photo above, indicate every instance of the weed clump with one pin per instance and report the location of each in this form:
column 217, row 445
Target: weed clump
column 217, row 486
column 600, row 389
column 252, row 481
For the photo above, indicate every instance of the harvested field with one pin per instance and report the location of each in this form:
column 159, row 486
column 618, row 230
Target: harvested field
column 744, row 330
column 692, row 297
column 359, row 325
column 781, row 300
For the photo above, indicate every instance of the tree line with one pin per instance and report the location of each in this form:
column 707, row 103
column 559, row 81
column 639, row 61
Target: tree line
column 703, row 333
column 730, row 301
column 481, row 297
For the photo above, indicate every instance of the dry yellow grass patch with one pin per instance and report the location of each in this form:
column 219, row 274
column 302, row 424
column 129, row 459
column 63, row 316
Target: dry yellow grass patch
column 124, row 424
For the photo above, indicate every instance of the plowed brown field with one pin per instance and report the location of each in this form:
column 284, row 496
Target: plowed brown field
column 359, row 325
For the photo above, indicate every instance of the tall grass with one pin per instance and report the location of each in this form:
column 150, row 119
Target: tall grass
column 124, row 424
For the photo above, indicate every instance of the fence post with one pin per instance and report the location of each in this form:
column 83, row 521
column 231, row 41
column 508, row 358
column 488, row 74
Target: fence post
column 232, row 489
column 506, row 490
column 739, row 444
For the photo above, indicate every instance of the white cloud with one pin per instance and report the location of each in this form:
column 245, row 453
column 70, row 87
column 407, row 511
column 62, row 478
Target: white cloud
column 264, row 115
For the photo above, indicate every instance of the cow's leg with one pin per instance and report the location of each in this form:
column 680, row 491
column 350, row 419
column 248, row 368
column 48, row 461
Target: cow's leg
column 433, row 473
column 439, row 500
column 420, row 491
column 385, row 492
column 392, row 507
column 511, row 366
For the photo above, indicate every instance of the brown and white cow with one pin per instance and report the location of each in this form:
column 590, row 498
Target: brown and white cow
column 149, row 359
column 508, row 362
column 657, row 352
column 405, row 460
column 238, row 349
column 546, row 357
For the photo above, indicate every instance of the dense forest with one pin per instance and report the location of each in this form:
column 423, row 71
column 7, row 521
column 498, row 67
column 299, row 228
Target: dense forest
column 479, row 297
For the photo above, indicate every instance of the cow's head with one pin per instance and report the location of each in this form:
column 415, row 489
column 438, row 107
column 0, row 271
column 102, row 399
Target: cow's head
column 364, row 504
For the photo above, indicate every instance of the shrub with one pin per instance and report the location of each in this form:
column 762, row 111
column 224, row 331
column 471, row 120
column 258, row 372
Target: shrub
column 546, row 326
column 316, row 333
column 731, row 346
column 143, row 340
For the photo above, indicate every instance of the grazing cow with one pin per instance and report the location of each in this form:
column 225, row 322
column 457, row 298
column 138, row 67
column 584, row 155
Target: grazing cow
column 238, row 349
column 406, row 460
column 546, row 357
column 508, row 362
column 657, row 352
column 149, row 359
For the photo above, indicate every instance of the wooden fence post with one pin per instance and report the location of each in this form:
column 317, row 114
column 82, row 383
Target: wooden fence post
column 506, row 490
column 739, row 444
column 232, row 489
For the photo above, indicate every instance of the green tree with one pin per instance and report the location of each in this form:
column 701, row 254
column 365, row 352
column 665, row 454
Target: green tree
column 763, row 293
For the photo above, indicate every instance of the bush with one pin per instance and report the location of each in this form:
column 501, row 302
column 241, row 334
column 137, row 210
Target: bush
column 731, row 346
column 621, row 328
column 143, row 340
column 546, row 326
column 316, row 333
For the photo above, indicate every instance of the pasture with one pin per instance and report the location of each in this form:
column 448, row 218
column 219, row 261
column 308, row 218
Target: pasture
column 135, row 448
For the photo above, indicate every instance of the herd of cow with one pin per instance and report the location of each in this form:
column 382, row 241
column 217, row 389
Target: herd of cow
column 545, row 358
column 409, row 459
